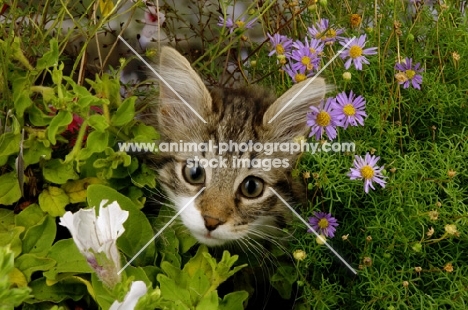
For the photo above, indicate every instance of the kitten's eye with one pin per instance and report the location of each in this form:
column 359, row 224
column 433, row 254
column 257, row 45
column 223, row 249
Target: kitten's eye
column 194, row 174
column 251, row 187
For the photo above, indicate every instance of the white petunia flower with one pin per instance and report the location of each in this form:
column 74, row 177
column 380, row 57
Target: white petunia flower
column 137, row 290
column 96, row 237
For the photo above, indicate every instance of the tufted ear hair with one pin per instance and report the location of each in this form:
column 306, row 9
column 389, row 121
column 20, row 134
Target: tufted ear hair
column 182, row 93
column 291, row 122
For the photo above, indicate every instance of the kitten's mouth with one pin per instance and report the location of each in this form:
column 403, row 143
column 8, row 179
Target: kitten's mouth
column 208, row 239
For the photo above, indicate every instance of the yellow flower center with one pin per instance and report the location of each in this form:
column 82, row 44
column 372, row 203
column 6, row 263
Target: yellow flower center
column 323, row 223
column 300, row 77
column 305, row 60
column 323, row 119
column 279, row 49
column 349, row 110
column 331, row 33
column 367, row 172
column 240, row 24
column 410, row 74
column 355, row 51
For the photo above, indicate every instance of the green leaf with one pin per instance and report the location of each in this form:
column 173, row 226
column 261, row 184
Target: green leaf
column 39, row 238
column 10, row 191
column 9, row 144
column 21, row 102
column 53, row 201
column 171, row 291
column 34, row 151
column 31, row 216
column 29, row 263
column 50, row 58
column 144, row 133
column 77, row 190
column 283, row 280
column 209, row 302
column 11, row 238
column 138, row 230
column 58, row 172
column 96, row 143
column 199, row 262
column 98, row 122
column 145, row 177
column 125, row 113
column 69, row 289
column 69, row 260
column 58, row 124
column 199, row 286
column 234, row 301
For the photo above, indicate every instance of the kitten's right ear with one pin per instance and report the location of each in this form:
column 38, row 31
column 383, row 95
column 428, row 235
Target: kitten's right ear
column 180, row 81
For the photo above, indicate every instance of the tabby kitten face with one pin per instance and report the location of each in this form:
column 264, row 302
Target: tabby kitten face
column 237, row 201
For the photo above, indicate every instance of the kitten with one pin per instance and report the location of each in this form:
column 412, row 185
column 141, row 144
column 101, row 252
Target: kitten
column 237, row 202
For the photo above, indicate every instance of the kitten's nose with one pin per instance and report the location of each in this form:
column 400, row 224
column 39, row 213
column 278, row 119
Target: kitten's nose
column 212, row 223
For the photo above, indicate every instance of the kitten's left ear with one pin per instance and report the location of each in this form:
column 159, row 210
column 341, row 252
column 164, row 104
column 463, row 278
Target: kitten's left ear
column 183, row 84
column 291, row 122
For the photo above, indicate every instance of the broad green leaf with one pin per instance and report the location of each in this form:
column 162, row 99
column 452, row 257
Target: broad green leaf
column 9, row 143
column 67, row 289
column 50, row 58
column 144, row 133
column 21, row 102
column 58, row 172
column 145, row 177
column 199, row 262
column 95, row 143
column 7, row 219
column 77, row 190
column 171, row 291
column 186, row 239
column 234, row 301
column 17, row 278
column 58, row 124
column 34, row 151
column 98, row 122
column 53, row 201
column 39, row 238
column 209, row 302
column 283, row 280
column 125, row 113
column 11, row 238
column 138, row 230
column 29, row 263
column 32, row 215
column 69, row 260
column 198, row 286
column 10, row 191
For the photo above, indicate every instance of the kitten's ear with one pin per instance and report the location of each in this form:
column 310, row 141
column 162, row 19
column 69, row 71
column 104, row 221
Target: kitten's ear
column 180, row 81
column 291, row 122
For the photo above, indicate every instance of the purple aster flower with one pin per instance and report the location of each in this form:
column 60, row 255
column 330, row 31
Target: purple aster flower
column 323, row 119
column 304, row 59
column 349, row 110
column 280, row 43
column 239, row 24
column 315, row 46
column 324, row 224
column 409, row 73
column 324, row 32
column 356, row 52
column 297, row 75
column 366, row 168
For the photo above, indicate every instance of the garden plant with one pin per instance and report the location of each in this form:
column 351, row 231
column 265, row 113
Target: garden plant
column 382, row 224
